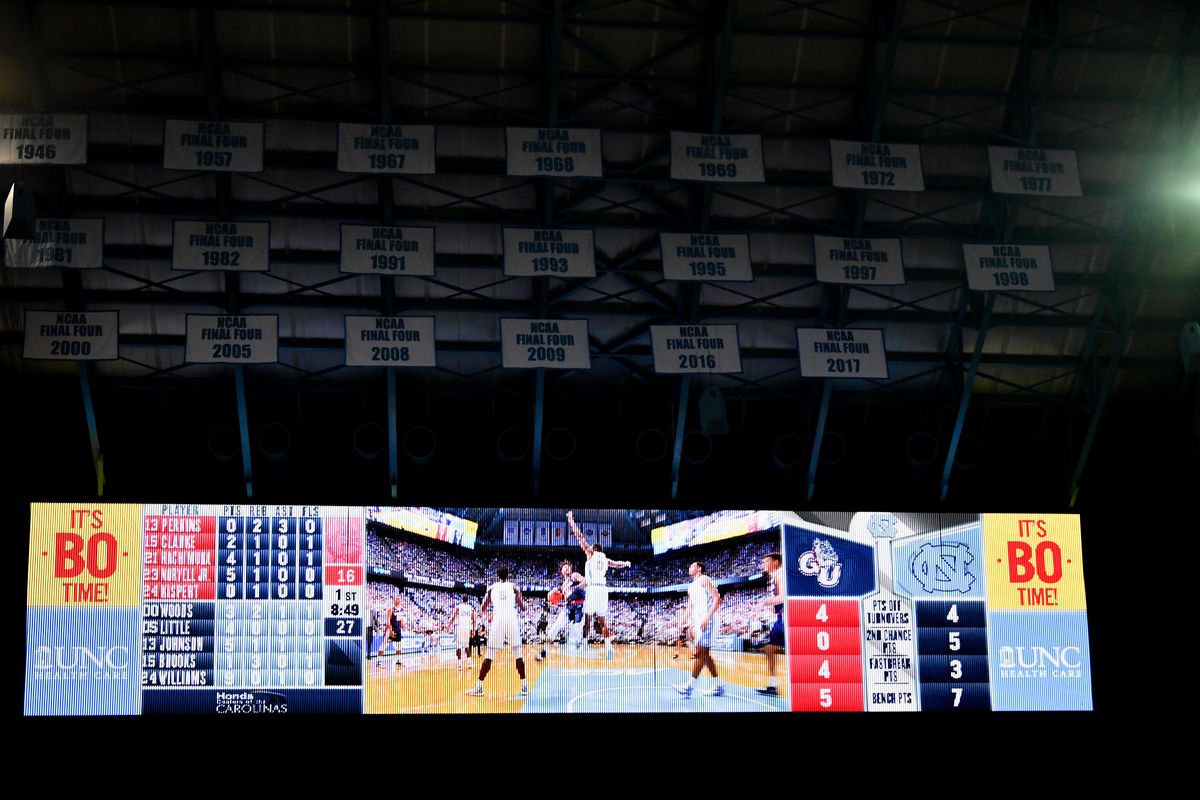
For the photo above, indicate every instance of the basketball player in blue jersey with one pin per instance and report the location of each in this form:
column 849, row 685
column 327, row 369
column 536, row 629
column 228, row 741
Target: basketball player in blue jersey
column 595, row 571
column 395, row 628
column 772, row 565
column 570, row 615
column 504, row 599
column 702, row 605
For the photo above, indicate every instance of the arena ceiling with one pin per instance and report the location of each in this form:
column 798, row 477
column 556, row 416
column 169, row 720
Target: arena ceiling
column 976, row 380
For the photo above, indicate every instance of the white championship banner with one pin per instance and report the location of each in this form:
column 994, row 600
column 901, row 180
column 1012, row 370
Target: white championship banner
column 1005, row 267
column 558, row 253
column 871, row 165
column 841, row 353
column 551, row 343
column 213, row 146
column 387, row 149
column 387, row 250
column 706, row 256
column 680, row 349
column 232, row 339
column 233, row 246
column 73, row 243
column 71, row 335
column 554, row 152
column 870, row 262
column 718, row 157
column 43, row 138
column 1027, row 170
column 390, row 342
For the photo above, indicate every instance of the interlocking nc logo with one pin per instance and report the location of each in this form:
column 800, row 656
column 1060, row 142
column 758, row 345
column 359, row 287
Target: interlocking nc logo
column 822, row 562
column 943, row 567
column 882, row 526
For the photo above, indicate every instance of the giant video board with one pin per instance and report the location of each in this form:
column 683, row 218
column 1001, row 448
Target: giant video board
column 270, row 609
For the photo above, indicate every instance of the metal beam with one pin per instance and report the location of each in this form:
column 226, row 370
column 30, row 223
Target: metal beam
column 870, row 107
column 685, row 385
column 1022, row 121
column 819, row 435
column 539, row 415
column 552, row 38
column 964, row 402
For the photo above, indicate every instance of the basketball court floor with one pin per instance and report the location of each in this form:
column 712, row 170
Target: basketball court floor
column 637, row 679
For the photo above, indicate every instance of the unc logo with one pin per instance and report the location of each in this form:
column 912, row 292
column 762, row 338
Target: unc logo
column 42, row 658
column 882, row 526
column 943, row 567
column 822, row 562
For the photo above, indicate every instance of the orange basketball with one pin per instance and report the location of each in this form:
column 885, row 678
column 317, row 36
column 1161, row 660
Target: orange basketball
column 555, row 597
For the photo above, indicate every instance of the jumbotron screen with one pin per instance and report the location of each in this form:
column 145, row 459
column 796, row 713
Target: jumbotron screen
column 277, row 609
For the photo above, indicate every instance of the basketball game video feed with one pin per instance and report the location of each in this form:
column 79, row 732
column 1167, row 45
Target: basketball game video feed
column 283, row 609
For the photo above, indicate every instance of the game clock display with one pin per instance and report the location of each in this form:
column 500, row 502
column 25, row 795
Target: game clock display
column 283, row 609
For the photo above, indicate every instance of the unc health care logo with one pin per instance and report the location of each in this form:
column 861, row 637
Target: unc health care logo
column 822, row 562
column 943, row 567
column 251, row 703
column 81, row 663
column 1041, row 662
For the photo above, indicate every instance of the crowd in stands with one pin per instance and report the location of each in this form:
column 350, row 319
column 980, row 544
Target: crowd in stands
column 634, row 619
column 650, row 619
column 739, row 560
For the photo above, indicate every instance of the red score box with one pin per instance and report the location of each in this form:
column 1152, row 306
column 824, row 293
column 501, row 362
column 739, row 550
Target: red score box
column 180, row 524
column 824, row 641
column 842, row 669
column 835, row 697
column 180, row 542
column 343, row 576
column 170, row 590
column 835, row 613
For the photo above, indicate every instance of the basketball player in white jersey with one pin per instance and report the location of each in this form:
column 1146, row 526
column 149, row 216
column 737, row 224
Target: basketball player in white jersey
column 464, row 616
column 772, row 565
column 702, row 605
column 504, row 599
column 574, row 588
column 595, row 571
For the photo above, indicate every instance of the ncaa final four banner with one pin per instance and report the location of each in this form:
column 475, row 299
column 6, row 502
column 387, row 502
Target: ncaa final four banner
column 706, row 256
column 213, row 145
column 43, row 139
column 71, row 335
column 554, row 152
column 1032, row 171
column 1008, row 267
column 717, row 157
column 72, row 243
column 386, row 149
column 869, row 262
column 872, row 165
column 284, row 609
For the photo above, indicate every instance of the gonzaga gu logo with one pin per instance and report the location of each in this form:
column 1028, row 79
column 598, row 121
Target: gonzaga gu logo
column 823, row 562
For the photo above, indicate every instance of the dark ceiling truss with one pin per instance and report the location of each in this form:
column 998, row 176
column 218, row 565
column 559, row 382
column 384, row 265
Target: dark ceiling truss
column 1122, row 295
column 639, row 196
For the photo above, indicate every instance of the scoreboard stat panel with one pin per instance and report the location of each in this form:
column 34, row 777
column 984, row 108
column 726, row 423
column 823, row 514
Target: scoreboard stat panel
column 236, row 609
column 986, row 615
